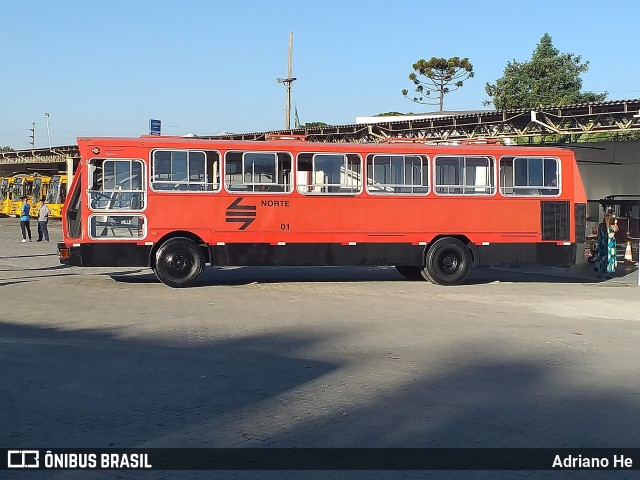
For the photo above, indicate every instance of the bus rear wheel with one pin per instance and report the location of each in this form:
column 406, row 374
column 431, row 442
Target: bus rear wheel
column 410, row 272
column 448, row 262
column 179, row 263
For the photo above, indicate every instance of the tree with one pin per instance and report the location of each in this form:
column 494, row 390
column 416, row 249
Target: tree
column 442, row 76
column 6, row 149
column 549, row 78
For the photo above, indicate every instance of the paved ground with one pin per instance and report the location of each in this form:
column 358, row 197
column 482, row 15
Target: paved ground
column 316, row 357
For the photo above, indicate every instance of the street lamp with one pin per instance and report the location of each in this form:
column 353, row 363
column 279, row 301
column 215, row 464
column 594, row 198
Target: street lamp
column 46, row 117
column 287, row 109
column 287, row 85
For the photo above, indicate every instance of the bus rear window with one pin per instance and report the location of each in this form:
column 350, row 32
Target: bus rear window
column 529, row 176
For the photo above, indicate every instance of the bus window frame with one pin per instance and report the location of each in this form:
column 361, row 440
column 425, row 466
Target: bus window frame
column 89, row 174
column 287, row 189
column 18, row 183
column 314, row 154
column 124, row 216
column 530, row 187
column 216, row 188
column 54, row 188
column 425, row 160
column 493, row 188
column 4, row 187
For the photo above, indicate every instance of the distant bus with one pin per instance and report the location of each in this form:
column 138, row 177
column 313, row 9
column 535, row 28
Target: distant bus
column 5, row 195
column 56, row 195
column 433, row 211
column 23, row 184
column 38, row 192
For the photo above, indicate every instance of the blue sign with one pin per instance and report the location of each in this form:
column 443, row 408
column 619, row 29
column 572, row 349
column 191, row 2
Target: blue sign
column 154, row 127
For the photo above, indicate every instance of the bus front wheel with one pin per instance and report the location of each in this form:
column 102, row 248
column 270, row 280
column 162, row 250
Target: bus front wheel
column 179, row 263
column 448, row 262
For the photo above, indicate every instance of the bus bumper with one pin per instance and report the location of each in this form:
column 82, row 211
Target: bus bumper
column 69, row 255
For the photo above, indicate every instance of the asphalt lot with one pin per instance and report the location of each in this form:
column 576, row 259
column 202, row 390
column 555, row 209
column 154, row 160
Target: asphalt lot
column 315, row 357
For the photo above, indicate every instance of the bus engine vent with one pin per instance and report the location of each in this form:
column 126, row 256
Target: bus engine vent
column 555, row 220
column 581, row 222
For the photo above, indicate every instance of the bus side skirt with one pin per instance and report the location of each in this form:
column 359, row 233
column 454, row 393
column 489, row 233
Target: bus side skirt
column 301, row 254
column 545, row 253
column 318, row 254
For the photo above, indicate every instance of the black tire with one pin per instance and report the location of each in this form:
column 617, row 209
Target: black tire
column 448, row 262
column 410, row 272
column 179, row 263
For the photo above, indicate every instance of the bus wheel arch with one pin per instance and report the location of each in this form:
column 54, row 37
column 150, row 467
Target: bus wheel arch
column 179, row 259
column 179, row 233
column 448, row 260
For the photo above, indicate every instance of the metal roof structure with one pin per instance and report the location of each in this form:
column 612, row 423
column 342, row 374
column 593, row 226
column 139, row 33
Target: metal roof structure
column 39, row 155
column 577, row 122
column 572, row 120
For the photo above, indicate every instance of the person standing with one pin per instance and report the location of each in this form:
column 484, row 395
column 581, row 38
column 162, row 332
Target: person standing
column 607, row 258
column 25, row 220
column 43, row 219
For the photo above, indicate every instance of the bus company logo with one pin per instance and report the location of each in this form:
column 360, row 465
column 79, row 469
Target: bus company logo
column 23, row 458
column 245, row 214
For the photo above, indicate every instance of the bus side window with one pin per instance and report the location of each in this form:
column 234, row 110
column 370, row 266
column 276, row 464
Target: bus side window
column 529, row 176
column 330, row 173
column 185, row 170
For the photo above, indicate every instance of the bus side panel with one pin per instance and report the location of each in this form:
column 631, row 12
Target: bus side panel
column 549, row 254
column 301, row 254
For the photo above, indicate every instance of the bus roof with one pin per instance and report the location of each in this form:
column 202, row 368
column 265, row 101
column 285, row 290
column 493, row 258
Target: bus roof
column 157, row 141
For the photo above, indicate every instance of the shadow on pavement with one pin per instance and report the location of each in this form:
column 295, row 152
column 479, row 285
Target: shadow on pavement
column 93, row 389
column 231, row 276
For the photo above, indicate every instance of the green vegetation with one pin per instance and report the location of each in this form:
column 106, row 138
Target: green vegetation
column 442, row 76
column 550, row 78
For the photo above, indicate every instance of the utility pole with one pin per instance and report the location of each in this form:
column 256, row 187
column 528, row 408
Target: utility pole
column 46, row 117
column 33, row 135
column 287, row 85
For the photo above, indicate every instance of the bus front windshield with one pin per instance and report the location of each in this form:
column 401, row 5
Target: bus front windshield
column 53, row 194
column 4, row 190
column 18, row 190
column 37, row 189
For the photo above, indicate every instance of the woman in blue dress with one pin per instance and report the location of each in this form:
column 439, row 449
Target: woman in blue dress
column 606, row 261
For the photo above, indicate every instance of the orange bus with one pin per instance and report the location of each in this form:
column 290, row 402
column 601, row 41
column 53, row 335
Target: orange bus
column 176, row 204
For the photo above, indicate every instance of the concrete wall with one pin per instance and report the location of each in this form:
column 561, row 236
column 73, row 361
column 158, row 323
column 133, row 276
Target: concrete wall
column 609, row 168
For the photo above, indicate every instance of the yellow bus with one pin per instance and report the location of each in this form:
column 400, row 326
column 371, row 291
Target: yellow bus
column 6, row 185
column 38, row 192
column 22, row 187
column 56, row 195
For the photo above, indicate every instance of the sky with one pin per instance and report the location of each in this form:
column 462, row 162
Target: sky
column 106, row 67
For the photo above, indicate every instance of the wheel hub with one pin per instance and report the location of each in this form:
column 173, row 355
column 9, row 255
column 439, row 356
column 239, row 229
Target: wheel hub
column 179, row 263
column 449, row 263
